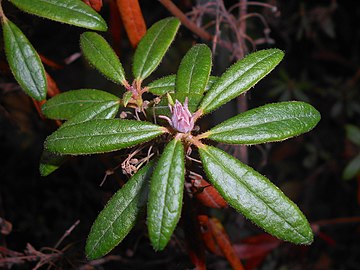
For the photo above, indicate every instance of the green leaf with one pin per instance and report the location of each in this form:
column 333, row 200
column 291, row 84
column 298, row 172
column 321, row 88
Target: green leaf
column 193, row 75
column 163, row 85
column 24, row 61
column 352, row 169
column 50, row 162
column 240, row 77
column 101, row 135
column 119, row 216
column 100, row 55
column 353, row 133
column 153, row 46
column 166, row 193
column 69, row 104
column 73, row 12
column 127, row 97
column 167, row 84
column 269, row 123
column 255, row 196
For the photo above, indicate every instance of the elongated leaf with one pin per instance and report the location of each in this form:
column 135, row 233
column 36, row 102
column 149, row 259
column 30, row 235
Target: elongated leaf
column 100, row 135
column 100, row 55
column 166, row 193
column 50, row 162
column 255, row 196
column 269, row 123
column 167, row 84
column 132, row 19
column 119, row 216
column 72, row 12
column 24, row 61
column 153, row 46
column 69, row 104
column 193, row 75
column 240, row 77
column 352, row 169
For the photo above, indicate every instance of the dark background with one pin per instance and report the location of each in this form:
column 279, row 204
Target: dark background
column 321, row 66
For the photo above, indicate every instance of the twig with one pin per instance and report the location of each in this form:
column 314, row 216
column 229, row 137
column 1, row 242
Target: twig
column 66, row 234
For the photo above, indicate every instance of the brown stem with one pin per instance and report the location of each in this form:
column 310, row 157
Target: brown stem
column 173, row 9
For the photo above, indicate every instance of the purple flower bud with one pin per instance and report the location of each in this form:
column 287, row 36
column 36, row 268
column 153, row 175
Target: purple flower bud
column 181, row 118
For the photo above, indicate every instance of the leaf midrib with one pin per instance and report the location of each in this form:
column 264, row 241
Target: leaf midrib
column 264, row 123
column 116, row 219
column 166, row 192
column 151, row 46
column 242, row 75
column 102, row 56
column 254, row 193
column 34, row 82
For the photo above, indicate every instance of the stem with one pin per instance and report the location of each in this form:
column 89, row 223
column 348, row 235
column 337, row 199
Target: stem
column 173, row 9
column 185, row 21
column 2, row 15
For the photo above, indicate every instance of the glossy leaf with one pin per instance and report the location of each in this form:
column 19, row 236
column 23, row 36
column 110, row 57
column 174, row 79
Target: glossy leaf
column 166, row 193
column 240, row 77
column 153, row 47
column 193, row 75
column 101, row 56
column 100, row 135
column 255, row 196
column 49, row 161
column 352, row 169
column 269, row 123
column 24, row 61
column 119, row 216
column 69, row 104
column 132, row 19
column 72, row 12
column 167, row 84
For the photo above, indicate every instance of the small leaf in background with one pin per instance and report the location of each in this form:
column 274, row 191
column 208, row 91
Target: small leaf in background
column 254, row 249
column 68, row 104
column 101, row 56
column 166, row 194
column 127, row 97
column 205, row 193
column 167, row 85
column 95, row 4
column 52, row 88
column 255, row 196
column 132, row 19
column 269, row 123
column 352, row 169
column 223, row 241
column 24, row 61
column 353, row 133
column 240, row 77
column 153, row 47
column 193, row 75
column 100, row 136
column 5, row 227
column 50, row 162
column 72, row 12
column 119, row 215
